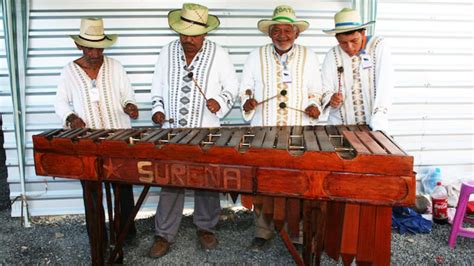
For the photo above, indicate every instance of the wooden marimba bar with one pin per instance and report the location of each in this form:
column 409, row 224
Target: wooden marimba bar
column 339, row 181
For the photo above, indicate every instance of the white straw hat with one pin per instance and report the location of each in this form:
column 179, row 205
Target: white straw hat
column 92, row 34
column 192, row 20
column 347, row 20
column 282, row 14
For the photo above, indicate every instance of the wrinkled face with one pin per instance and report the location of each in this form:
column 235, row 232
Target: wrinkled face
column 351, row 43
column 283, row 36
column 91, row 55
column 191, row 44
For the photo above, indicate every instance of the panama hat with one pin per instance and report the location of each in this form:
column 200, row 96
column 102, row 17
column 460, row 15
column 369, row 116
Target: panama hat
column 192, row 20
column 92, row 34
column 282, row 14
column 347, row 20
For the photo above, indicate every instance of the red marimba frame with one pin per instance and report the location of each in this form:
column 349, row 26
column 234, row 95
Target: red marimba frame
column 339, row 181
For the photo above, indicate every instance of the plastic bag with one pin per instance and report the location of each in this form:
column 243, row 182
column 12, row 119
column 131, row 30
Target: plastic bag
column 405, row 220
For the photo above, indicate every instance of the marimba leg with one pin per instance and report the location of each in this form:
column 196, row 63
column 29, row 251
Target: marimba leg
column 308, row 233
column 124, row 231
column 333, row 234
column 383, row 233
column 279, row 212
column 247, row 200
column 320, row 222
column 117, row 218
column 293, row 216
column 95, row 221
column 350, row 229
column 112, row 231
column 366, row 242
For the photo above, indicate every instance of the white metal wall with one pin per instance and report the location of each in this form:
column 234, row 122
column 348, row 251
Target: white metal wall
column 432, row 116
column 142, row 28
column 433, row 110
column 6, row 107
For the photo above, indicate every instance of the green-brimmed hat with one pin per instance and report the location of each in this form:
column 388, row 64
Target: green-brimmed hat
column 347, row 20
column 92, row 34
column 282, row 14
column 192, row 20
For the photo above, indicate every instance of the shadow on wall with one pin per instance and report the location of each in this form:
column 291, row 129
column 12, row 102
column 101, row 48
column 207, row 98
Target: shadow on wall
column 4, row 189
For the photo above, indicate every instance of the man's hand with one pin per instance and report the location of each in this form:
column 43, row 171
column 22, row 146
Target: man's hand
column 131, row 110
column 312, row 111
column 250, row 105
column 158, row 118
column 336, row 100
column 213, row 106
column 75, row 121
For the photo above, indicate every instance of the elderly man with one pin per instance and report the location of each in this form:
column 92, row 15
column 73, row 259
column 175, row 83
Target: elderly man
column 94, row 92
column 359, row 74
column 194, row 85
column 281, row 85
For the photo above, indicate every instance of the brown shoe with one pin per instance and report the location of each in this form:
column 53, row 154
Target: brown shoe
column 159, row 248
column 207, row 239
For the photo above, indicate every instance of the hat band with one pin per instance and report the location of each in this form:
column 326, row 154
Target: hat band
column 283, row 18
column 89, row 40
column 194, row 22
column 340, row 24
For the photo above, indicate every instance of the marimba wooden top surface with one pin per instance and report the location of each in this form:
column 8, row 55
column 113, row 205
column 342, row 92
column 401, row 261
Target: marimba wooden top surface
column 337, row 160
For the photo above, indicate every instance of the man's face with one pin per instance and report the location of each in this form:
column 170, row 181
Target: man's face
column 191, row 44
column 352, row 43
column 283, row 36
column 91, row 55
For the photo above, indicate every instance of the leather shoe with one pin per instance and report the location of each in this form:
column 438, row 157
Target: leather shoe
column 207, row 239
column 259, row 244
column 159, row 248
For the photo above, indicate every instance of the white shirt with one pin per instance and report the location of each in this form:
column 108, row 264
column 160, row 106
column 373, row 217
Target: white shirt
column 377, row 78
column 100, row 106
column 263, row 75
column 178, row 97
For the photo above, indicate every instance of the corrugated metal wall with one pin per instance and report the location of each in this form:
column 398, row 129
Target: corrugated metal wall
column 6, row 106
column 432, row 43
column 142, row 28
column 433, row 107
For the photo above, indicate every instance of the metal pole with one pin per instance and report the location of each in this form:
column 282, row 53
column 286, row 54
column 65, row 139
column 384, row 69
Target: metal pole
column 373, row 15
column 12, row 42
column 368, row 12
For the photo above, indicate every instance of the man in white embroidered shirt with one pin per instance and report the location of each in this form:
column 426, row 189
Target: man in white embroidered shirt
column 95, row 92
column 281, row 86
column 359, row 73
column 194, row 85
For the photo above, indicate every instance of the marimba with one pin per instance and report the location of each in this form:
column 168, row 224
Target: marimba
column 339, row 181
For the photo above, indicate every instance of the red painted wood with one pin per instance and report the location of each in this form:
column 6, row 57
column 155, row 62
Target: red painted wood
column 246, row 201
column 386, row 143
column 279, row 212
column 293, row 211
column 355, row 142
column 380, row 174
column 291, row 248
column 371, row 144
column 350, row 229
column 333, row 234
column 268, row 207
column 366, row 243
column 383, row 229
column 308, row 230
